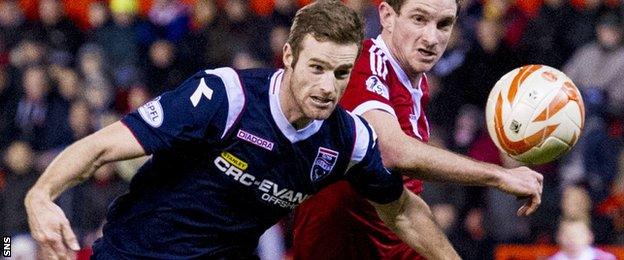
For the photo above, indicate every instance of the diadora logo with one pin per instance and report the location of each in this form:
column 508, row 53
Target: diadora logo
column 324, row 163
column 152, row 112
column 374, row 84
column 236, row 168
column 268, row 145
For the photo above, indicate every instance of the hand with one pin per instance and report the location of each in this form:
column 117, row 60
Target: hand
column 523, row 183
column 50, row 228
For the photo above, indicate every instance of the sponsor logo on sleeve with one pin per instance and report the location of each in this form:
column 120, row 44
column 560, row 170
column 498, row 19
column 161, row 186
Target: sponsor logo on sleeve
column 374, row 84
column 323, row 164
column 152, row 113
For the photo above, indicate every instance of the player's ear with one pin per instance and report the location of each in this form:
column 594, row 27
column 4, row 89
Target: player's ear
column 387, row 16
column 287, row 57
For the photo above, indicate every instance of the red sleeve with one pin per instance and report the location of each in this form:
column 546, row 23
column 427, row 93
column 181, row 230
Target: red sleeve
column 367, row 88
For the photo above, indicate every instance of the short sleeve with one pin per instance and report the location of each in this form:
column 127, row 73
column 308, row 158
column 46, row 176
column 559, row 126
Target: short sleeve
column 366, row 173
column 368, row 88
column 200, row 110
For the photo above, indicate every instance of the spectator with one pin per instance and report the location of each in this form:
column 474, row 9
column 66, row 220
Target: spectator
column 445, row 215
column 488, row 60
column 372, row 25
column 11, row 25
column 99, row 97
column 201, row 48
column 119, row 39
column 468, row 127
column 575, row 203
column 221, row 37
column 163, row 71
column 91, row 59
column 56, row 30
column 598, row 70
column 582, row 26
column 279, row 36
column 545, row 40
column 283, row 13
column 472, row 240
column 80, row 120
column 171, row 19
column 67, row 82
column 244, row 59
column 27, row 53
column 600, row 64
column 8, row 105
column 98, row 15
column 443, row 106
column 137, row 96
column 41, row 114
column 242, row 30
column 575, row 239
column 17, row 164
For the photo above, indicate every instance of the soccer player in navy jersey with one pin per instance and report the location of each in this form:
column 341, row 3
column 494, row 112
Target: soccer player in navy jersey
column 232, row 153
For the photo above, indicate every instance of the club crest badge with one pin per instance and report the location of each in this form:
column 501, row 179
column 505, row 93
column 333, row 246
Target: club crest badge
column 375, row 85
column 323, row 164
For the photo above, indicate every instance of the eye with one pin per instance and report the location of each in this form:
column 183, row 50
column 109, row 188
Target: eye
column 342, row 74
column 419, row 19
column 316, row 69
column 445, row 25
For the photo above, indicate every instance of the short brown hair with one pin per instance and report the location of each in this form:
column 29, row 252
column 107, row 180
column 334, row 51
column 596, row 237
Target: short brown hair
column 397, row 4
column 328, row 20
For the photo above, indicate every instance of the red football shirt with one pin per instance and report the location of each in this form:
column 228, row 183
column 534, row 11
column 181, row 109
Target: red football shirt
column 337, row 223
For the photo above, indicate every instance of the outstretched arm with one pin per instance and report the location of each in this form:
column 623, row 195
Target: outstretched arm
column 48, row 224
column 410, row 218
column 430, row 163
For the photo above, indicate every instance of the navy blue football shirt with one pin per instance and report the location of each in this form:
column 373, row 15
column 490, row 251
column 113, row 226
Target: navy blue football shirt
column 226, row 165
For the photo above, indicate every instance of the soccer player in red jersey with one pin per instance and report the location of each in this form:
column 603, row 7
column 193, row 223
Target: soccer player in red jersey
column 389, row 88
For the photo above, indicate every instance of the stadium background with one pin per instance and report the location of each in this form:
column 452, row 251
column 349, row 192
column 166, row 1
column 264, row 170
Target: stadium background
column 68, row 68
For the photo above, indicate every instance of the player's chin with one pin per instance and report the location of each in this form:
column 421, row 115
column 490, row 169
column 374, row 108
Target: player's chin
column 423, row 65
column 320, row 113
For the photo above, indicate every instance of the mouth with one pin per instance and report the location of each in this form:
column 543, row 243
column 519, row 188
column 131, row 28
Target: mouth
column 426, row 53
column 322, row 101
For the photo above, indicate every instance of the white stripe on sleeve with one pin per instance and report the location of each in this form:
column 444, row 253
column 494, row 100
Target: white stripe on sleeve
column 235, row 94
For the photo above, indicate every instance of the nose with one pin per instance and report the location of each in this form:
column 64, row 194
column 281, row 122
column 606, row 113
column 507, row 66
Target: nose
column 328, row 85
column 429, row 35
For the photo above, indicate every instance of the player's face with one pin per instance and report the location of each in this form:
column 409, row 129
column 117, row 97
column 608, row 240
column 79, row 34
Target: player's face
column 320, row 76
column 420, row 33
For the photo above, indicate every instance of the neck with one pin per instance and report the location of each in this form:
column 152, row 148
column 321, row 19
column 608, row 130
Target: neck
column 291, row 110
column 576, row 252
column 413, row 75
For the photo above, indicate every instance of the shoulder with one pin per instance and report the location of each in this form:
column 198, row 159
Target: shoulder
column 372, row 61
column 368, row 87
column 239, row 85
column 371, row 70
column 256, row 75
column 361, row 134
column 214, row 91
column 218, row 86
column 603, row 255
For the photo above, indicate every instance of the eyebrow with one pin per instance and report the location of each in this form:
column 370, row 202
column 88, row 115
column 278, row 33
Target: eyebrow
column 342, row 66
column 419, row 10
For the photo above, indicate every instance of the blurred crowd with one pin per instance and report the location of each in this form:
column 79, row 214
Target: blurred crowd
column 69, row 68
